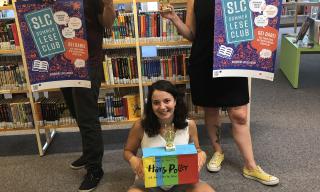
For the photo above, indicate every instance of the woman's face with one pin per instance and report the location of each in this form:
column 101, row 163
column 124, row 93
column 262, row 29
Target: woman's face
column 163, row 104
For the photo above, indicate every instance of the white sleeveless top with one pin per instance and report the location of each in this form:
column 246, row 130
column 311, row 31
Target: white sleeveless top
column 181, row 138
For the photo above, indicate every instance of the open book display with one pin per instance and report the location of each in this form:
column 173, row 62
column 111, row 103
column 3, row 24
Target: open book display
column 304, row 28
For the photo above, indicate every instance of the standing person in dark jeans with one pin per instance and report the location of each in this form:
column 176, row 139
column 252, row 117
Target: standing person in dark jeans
column 83, row 102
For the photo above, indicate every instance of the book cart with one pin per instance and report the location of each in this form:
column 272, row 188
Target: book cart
column 127, row 73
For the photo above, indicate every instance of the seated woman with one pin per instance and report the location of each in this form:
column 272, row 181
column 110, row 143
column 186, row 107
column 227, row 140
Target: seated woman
column 165, row 106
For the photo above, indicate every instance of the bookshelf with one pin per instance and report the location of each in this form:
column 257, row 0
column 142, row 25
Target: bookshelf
column 8, row 7
column 15, row 108
column 295, row 12
column 136, row 84
column 10, row 51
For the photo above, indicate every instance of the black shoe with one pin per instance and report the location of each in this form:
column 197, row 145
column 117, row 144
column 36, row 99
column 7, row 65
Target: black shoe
column 91, row 180
column 79, row 163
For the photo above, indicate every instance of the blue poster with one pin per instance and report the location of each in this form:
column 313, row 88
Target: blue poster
column 246, row 38
column 54, row 41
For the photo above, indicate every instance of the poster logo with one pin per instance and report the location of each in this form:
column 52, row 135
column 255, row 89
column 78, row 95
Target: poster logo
column 45, row 33
column 238, row 21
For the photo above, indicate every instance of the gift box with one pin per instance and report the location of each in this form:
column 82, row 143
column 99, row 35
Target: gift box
column 165, row 168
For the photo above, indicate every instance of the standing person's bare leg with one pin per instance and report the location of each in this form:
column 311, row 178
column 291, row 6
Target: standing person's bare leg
column 242, row 137
column 212, row 122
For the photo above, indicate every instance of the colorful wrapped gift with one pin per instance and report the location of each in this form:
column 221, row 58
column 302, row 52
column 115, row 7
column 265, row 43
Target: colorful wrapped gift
column 165, row 168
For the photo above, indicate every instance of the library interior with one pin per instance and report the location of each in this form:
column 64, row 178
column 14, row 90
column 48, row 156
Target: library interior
column 39, row 136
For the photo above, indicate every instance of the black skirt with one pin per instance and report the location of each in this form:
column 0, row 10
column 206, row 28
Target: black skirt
column 217, row 92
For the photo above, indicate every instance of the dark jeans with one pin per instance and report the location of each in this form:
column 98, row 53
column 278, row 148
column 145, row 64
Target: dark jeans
column 83, row 105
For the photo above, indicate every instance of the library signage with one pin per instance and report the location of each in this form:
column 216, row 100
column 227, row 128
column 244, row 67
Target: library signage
column 245, row 38
column 55, row 43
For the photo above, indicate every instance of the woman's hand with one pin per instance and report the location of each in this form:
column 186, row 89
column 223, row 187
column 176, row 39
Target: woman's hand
column 137, row 166
column 201, row 159
column 168, row 14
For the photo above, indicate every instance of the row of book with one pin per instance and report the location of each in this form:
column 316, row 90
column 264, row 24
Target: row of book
column 151, row 24
column 8, row 35
column 151, row 27
column 15, row 113
column 120, row 70
column 12, row 74
column 122, row 28
column 172, row 68
column 119, row 108
column 54, row 111
column 112, row 108
column 120, row 65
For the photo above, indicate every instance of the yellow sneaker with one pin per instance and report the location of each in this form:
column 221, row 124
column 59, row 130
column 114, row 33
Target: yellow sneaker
column 259, row 175
column 214, row 164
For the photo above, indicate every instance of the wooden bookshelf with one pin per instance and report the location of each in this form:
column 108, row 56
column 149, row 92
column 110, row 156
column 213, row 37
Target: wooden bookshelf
column 9, row 7
column 10, row 51
column 178, row 82
column 165, row 43
column 125, row 122
column 105, row 86
column 15, row 129
column 118, row 45
column 10, row 91
column 146, row 42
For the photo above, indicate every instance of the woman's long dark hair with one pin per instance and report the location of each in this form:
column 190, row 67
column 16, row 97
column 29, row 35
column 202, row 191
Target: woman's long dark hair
column 150, row 121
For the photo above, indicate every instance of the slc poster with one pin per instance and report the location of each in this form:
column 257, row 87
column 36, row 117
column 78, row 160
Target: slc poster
column 55, row 45
column 245, row 38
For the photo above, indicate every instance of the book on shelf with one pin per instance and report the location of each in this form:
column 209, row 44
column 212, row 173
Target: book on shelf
column 132, row 106
column 155, row 27
column 8, row 35
column 151, row 27
column 169, row 63
column 122, row 29
column 120, row 70
column 15, row 113
column 52, row 111
column 11, row 73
